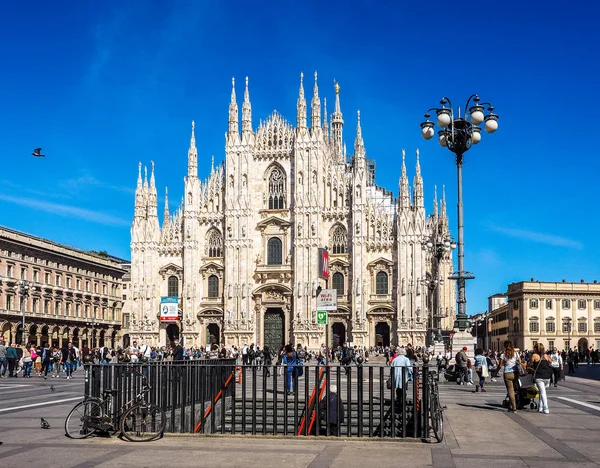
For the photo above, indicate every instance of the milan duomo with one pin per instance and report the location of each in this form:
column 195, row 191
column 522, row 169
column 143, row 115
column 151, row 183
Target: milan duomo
column 241, row 251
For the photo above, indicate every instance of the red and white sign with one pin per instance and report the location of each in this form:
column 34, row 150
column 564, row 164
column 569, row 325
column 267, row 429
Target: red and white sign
column 323, row 264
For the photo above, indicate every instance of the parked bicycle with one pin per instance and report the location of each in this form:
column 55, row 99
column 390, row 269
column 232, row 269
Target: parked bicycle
column 137, row 420
column 436, row 410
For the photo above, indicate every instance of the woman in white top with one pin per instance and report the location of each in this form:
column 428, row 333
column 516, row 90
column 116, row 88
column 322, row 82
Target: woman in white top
column 508, row 362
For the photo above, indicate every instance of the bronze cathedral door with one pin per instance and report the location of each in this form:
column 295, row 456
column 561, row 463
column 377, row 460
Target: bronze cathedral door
column 273, row 331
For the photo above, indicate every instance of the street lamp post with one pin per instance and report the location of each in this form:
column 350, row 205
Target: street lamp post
column 568, row 326
column 93, row 325
column 487, row 326
column 458, row 134
column 24, row 287
column 438, row 246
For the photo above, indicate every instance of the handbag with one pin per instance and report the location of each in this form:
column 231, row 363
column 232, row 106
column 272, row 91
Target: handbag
column 484, row 369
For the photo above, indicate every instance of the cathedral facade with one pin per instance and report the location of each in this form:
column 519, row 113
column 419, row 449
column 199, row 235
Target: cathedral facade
column 241, row 251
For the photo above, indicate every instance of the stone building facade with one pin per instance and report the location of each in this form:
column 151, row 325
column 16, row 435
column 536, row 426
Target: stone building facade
column 241, row 251
column 557, row 314
column 65, row 294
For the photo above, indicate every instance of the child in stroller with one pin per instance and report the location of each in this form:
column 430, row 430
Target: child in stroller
column 526, row 393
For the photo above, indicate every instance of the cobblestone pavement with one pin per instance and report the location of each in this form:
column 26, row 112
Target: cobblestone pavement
column 478, row 432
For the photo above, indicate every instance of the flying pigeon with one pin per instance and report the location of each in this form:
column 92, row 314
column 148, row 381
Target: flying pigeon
column 44, row 424
column 36, row 153
column 52, row 387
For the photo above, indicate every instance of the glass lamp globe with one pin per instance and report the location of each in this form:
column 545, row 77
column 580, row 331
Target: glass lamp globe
column 476, row 134
column 453, row 245
column 443, row 119
column 442, row 140
column 427, row 131
column 491, row 123
column 476, row 115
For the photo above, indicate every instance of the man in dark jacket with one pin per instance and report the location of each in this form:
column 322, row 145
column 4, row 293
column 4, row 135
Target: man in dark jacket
column 12, row 358
column 177, row 352
column 336, row 412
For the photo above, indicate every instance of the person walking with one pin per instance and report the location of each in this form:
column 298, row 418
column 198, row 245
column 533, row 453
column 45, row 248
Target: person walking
column 508, row 362
column 482, row 369
column 461, row 366
column 3, row 360
column 336, row 412
column 12, row 357
column 557, row 366
column 68, row 359
column 402, row 368
column 541, row 364
column 27, row 361
column 290, row 361
column 46, row 360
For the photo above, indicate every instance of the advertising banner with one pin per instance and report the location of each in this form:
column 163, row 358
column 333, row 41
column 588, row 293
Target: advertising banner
column 169, row 308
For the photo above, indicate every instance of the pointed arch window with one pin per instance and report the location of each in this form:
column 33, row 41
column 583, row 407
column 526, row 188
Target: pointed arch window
column 213, row 286
column 214, row 244
column 277, row 191
column 274, row 251
column 173, row 286
column 339, row 240
column 338, row 283
column 381, row 283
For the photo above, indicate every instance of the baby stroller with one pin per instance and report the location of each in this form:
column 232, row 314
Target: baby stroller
column 526, row 393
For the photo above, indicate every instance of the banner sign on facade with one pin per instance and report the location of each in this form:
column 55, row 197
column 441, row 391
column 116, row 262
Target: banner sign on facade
column 327, row 300
column 323, row 264
column 169, row 310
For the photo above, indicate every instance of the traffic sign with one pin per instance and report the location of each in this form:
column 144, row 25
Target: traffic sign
column 322, row 317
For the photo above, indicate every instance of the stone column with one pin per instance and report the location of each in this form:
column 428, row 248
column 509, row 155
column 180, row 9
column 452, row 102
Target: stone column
column 38, row 337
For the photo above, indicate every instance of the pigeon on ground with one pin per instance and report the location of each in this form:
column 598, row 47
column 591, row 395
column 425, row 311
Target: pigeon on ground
column 44, row 424
column 52, row 387
column 36, row 153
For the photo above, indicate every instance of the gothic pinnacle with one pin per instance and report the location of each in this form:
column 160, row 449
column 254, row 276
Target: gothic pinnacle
column 233, row 110
column 166, row 212
column 246, row 112
column 301, row 106
column 359, row 145
column 315, row 116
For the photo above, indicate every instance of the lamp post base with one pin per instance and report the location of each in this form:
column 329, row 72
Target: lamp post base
column 460, row 340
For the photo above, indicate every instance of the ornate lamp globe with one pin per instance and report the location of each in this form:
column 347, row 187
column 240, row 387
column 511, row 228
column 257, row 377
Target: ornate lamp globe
column 427, row 131
column 443, row 117
column 443, row 138
column 491, row 123
column 476, row 114
column 476, row 134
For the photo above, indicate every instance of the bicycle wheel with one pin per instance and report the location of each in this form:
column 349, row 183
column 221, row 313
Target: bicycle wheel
column 437, row 417
column 143, row 423
column 76, row 424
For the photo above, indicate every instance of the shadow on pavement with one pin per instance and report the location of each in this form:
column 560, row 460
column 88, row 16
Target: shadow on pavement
column 488, row 407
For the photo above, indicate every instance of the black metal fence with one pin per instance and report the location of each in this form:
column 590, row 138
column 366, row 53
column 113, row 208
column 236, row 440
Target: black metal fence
column 219, row 397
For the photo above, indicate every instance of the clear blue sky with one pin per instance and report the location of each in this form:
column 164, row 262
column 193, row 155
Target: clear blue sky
column 102, row 85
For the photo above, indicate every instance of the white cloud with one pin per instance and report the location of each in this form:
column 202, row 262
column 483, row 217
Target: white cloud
column 539, row 237
column 87, row 180
column 66, row 210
